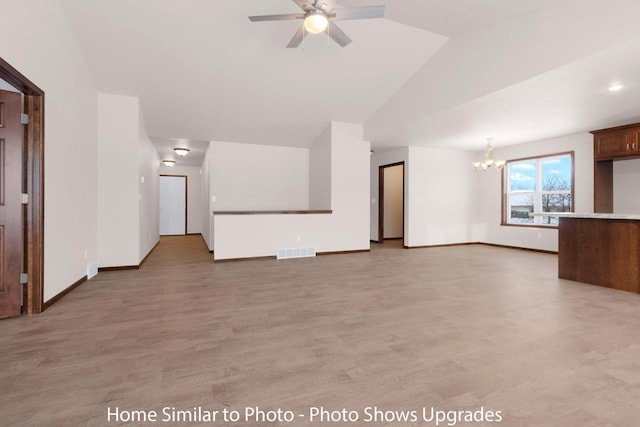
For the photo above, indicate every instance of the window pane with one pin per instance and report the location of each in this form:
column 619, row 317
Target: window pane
column 522, row 176
column 542, row 184
column 556, row 174
column 556, row 203
column 521, row 205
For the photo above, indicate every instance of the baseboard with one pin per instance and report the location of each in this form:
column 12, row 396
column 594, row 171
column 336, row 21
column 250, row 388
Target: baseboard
column 355, row 251
column 255, row 258
column 374, row 241
column 542, row 251
column 495, row 245
column 440, row 246
column 262, row 258
column 59, row 296
column 119, row 268
column 393, row 238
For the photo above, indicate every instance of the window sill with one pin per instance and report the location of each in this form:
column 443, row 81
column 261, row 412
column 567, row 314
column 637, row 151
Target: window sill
column 550, row 226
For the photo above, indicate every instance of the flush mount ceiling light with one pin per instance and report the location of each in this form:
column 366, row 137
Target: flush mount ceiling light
column 489, row 162
column 615, row 87
column 181, row 151
column 169, row 163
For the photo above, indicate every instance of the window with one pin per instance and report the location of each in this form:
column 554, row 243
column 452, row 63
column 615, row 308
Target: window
column 538, row 184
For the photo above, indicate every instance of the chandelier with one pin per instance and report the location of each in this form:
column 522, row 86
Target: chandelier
column 489, row 162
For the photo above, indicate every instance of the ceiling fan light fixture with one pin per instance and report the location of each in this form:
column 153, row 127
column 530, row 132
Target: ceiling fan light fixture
column 181, row 151
column 316, row 22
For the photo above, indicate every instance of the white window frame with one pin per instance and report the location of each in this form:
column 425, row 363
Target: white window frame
column 538, row 221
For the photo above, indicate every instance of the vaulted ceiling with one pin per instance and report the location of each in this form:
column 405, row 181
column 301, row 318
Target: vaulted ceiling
column 446, row 73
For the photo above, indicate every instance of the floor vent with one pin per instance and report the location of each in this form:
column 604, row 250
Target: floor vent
column 285, row 253
column 92, row 270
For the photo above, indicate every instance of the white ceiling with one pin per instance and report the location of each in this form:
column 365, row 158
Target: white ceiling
column 446, row 73
column 453, row 17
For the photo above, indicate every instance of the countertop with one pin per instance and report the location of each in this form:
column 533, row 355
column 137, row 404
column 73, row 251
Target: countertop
column 590, row 215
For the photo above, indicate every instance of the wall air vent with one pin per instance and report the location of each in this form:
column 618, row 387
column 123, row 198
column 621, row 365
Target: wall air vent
column 286, row 253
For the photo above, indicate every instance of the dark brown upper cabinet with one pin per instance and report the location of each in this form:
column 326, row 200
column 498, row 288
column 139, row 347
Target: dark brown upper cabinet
column 618, row 143
column 609, row 145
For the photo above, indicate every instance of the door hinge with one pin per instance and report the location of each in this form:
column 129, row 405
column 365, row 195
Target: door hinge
column 24, row 198
column 24, row 278
column 24, row 119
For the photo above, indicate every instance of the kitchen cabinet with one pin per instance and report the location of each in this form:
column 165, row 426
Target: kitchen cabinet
column 600, row 249
column 610, row 145
column 616, row 144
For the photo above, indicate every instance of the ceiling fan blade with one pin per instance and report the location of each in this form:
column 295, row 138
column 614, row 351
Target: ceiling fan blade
column 297, row 38
column 326, row 5
column 304, row 5
column 281, row 17
column 338, row 35
column 369, row 12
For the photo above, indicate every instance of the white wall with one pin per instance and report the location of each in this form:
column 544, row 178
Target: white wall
column 440, row 197
column 393, row 202
column 626, row 188
column 127, row 206
column 488, row 186
column 118, row 175
column 148, row 166
column 258, row 177
column 49, row 56
column 207, row 206
column 239, row 236
column 320, row 172
column 378, row 159
column 195, row 197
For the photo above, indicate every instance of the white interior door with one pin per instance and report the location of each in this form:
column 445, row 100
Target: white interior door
column 173, row 205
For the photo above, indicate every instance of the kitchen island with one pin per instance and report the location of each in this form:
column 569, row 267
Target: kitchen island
column 601, row 249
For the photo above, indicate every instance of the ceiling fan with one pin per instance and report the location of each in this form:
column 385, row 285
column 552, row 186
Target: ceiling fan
column 318, row 17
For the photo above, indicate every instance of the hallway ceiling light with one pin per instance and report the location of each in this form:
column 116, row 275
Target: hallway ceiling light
column 489, row 161
column 181, row 151
column 169, row 163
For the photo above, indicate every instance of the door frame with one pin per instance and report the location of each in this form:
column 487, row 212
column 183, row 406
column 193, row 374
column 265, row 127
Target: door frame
column 186, row 199
column 32, row 184
column 381, row 199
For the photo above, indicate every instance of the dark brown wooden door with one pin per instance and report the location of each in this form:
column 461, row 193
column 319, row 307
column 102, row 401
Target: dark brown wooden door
column 10, row 203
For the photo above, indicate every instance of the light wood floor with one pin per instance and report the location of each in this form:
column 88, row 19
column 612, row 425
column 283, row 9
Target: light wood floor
column 454, row 328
